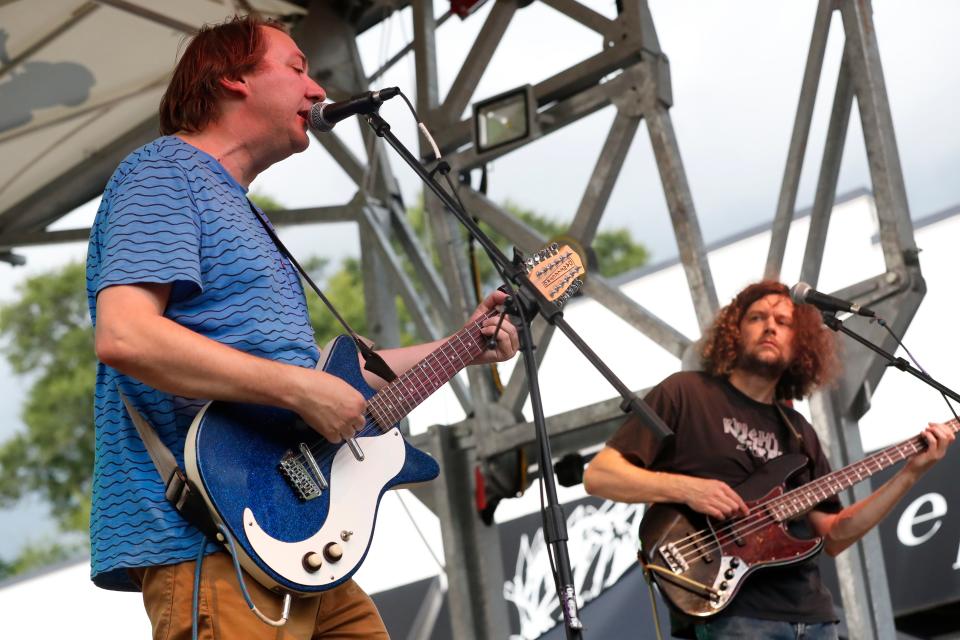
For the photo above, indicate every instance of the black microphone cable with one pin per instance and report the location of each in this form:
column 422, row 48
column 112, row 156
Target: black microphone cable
column 883, row 324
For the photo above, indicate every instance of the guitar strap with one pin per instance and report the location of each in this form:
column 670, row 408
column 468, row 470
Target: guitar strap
column 177, row 489
column 372, row 360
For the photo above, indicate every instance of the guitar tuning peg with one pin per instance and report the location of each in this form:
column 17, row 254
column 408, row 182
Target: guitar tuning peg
column 554, row 248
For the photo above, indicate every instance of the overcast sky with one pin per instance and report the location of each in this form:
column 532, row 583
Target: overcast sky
column 736, row 69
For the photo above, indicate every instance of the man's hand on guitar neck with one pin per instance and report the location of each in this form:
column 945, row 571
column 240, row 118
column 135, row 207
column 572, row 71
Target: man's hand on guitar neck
column 507, row 340
column 938, row 437
column 402, row 358
column 844, row 529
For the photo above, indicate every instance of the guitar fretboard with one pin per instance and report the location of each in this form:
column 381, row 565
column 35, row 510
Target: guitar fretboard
column 802, row 499
column 389, row 405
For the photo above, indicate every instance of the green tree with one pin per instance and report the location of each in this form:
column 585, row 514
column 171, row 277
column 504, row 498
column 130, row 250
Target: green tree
column 47, row 337
column 615, row 249
column 344, row 289
column 39, row 554
column 266, row 202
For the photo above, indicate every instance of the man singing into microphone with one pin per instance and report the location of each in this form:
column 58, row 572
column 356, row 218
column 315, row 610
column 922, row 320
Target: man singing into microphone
column 730, row 419
column 192, row 301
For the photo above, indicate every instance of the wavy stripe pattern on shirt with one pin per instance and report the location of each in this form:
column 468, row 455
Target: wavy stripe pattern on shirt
column 172, row 214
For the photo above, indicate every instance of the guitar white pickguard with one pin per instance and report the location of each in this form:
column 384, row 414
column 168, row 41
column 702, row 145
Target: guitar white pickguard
column 353, row 493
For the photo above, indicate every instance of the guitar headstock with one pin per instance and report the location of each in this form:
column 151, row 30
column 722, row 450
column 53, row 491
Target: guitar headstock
column 556, row 271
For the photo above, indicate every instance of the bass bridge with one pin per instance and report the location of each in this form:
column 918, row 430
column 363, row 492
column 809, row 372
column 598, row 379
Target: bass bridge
column 674, row 559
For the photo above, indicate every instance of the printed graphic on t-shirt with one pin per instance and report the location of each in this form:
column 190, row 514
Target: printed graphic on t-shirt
column 760, row 444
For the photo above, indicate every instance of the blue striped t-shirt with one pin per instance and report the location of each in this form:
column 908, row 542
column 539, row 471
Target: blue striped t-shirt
column 172, row 214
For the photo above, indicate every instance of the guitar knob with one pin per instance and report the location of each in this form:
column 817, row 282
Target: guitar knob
column 332, row 552
column 729, row 573
column 734, row 562
column 312, row 562
column 723, row 586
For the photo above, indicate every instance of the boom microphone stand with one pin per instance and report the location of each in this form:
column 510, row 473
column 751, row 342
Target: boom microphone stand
column 831, row 320
column 528, row 303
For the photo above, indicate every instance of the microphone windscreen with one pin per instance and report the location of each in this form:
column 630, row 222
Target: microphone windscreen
column 799, row 291
column 317, row 120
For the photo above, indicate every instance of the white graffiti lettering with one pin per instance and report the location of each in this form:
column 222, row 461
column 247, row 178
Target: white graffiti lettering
column 603, row 546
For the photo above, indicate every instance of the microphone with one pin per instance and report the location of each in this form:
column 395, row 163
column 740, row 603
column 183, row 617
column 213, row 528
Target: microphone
column 325, row 115
column 804, row 293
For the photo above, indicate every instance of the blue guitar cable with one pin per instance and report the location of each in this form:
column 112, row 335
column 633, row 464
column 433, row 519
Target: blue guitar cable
column 195, row 614
column 287, row 597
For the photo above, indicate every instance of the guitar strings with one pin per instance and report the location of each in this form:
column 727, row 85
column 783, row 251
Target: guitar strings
column 721, row 536
column 704, row 539
column 698, row 538
column 915, row 445
column 378, row 402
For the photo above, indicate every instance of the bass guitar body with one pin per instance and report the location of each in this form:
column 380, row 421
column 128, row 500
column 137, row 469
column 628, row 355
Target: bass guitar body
column 699, row 564
column 302, row 522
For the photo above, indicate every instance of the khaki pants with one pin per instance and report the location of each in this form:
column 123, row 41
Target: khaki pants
column 344, row 612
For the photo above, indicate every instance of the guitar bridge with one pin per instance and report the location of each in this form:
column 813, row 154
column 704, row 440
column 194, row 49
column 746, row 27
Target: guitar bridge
column 295, row 471
column 674, row 559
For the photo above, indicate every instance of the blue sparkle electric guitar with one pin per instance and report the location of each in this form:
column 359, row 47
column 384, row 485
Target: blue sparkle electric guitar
column 302, row 510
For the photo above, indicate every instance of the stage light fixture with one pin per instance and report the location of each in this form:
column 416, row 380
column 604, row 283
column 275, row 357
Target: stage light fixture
column 504, row 119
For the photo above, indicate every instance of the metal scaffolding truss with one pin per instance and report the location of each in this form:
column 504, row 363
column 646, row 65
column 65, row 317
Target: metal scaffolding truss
column 895, row 294
column 630, row 72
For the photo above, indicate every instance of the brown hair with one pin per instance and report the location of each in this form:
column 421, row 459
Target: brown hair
column 226, row 50
column 814, row 350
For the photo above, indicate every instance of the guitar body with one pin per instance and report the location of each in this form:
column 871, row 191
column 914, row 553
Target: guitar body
column 233, row 456
column 699, row 564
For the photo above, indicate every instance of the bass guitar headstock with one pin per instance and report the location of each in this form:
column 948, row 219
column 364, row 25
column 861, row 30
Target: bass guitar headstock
column 556, row 271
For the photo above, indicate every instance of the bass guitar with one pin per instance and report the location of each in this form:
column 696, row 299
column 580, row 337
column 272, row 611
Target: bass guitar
column 699, row 564
column 302, row 510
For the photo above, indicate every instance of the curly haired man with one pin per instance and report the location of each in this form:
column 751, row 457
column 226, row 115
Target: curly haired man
column 730, row 419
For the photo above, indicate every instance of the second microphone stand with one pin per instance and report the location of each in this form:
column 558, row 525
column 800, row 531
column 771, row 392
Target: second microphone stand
column 831, row 320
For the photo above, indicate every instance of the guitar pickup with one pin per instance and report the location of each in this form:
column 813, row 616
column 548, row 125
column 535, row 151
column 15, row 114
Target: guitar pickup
column 303, row 483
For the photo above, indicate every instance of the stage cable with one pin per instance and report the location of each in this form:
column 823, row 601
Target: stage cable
column 883, row 324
